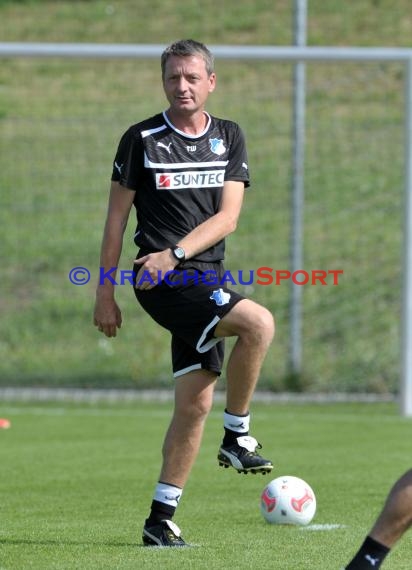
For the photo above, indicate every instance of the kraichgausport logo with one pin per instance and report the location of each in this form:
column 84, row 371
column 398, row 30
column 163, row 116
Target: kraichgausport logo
column 174, row 278
column 190, row 179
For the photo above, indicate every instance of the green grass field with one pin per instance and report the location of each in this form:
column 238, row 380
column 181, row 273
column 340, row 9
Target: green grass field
column 77, row 480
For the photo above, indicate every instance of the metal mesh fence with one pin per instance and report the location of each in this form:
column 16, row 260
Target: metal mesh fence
column 60, row 122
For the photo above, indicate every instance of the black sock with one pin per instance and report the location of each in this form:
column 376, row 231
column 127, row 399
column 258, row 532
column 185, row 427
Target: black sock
column 370, row 555
column 231, row 436
column 159, row 511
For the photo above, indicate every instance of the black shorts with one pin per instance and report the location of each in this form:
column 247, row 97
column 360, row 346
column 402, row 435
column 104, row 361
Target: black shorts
column 189, row 303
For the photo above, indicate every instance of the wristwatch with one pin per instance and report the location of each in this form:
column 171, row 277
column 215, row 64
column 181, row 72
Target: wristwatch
column 178, row 252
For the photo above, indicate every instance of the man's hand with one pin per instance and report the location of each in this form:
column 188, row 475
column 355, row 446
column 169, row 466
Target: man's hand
column 107, row 315
column 153, row 268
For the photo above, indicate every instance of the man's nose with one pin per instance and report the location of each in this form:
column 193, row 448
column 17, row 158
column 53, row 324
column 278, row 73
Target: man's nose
column 182, row 84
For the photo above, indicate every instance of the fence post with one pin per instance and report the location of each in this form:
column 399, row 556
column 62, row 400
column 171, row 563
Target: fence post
column 406, row 339
column 297, row 194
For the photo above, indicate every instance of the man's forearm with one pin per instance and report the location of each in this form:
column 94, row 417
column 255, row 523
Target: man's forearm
column 109, row 257
column 207, row 234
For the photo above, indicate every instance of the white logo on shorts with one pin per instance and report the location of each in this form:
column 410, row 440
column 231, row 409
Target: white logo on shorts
column 220, row 297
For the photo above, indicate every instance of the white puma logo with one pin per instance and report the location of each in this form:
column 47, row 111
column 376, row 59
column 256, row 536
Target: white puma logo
column 239, row 425
column 166, row 146
column 119, row 168
column 373, row 561
column 173, row 498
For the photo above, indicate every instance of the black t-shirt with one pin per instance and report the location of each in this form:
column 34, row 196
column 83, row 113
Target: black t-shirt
column 178, row 178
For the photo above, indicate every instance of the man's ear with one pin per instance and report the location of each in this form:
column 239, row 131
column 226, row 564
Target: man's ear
column 212, row 82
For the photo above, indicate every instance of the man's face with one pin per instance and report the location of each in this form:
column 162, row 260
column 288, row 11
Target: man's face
column 187, row 84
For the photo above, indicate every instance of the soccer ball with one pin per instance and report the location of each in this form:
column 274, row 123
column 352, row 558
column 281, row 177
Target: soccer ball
column 288, row 500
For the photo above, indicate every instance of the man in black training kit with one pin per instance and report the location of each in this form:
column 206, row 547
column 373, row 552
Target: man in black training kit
column 185, row 172
column 392, row 523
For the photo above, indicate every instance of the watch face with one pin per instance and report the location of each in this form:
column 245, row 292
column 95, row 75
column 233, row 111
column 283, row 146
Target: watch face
column 179, row 252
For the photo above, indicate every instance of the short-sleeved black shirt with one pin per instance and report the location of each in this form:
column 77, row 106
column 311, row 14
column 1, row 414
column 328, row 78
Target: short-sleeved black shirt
column 178, row 178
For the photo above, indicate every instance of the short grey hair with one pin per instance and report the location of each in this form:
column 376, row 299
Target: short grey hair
column 183, row 48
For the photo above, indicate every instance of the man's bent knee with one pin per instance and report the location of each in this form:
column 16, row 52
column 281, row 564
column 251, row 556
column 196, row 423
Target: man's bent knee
column 265, row 323
column 247, row 317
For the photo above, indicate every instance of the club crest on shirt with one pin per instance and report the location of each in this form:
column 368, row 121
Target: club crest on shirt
column 217, row 146
column 220, row 297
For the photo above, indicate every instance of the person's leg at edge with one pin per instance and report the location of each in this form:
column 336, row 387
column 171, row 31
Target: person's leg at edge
column 193, row 401
column 393, row 521
column 396, row 516
column 254, row 327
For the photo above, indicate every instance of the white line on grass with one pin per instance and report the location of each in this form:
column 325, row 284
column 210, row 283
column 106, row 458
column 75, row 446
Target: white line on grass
column 317, row 527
